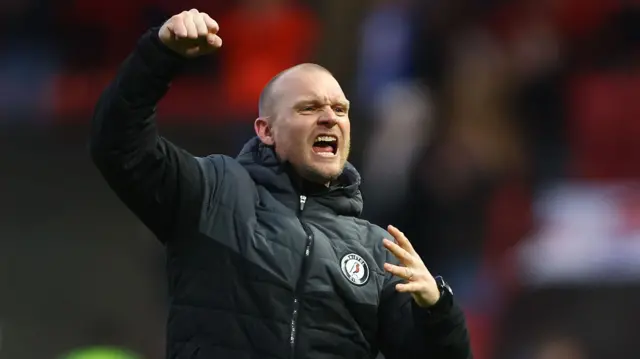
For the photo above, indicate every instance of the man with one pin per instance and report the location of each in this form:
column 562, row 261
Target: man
column 266, row 255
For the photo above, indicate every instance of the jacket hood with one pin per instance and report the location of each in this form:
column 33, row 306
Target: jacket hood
column 279, row 178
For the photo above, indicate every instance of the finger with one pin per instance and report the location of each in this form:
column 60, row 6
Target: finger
column 201, row 27
column 400, row 238
column 403, row 256
column 176, row 26
column 212, row 25
column 408, row 287
column 397, row 271
column 189, row 23
column 214, row 40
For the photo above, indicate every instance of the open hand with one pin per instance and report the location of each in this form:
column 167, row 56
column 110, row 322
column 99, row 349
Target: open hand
column 420, row 283
column 191, row 33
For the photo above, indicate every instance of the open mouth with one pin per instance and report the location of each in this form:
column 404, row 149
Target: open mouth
column 325, row 145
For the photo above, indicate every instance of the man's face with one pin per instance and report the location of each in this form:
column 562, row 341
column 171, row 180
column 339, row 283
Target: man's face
column 311, row 128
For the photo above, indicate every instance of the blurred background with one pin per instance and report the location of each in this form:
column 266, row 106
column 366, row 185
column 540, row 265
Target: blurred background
column 500, row 135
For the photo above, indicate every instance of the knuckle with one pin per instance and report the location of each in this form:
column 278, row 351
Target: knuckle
column 194, row 11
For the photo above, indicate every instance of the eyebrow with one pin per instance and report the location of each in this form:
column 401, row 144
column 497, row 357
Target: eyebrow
column 309, row 100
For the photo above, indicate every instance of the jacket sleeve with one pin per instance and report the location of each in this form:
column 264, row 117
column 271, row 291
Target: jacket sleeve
column 409, row 331
column 161, row 183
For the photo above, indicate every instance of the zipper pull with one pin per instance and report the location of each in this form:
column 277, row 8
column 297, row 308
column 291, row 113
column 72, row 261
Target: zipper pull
column 303, row 200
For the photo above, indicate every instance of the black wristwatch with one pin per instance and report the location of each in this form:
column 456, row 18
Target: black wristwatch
column 445, row 289
column 444, row 304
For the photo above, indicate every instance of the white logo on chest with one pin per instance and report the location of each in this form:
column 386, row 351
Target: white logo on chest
column 355, row 269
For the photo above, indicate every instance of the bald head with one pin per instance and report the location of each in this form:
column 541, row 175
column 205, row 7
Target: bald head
column 298, row 106
column 269, row 92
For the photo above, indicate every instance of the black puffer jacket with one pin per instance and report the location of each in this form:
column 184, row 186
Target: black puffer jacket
column 260, row 264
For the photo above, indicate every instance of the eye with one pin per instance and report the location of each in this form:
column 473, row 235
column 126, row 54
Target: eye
column 340, row 110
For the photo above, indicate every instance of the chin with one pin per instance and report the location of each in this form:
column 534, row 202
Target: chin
column 323, row 173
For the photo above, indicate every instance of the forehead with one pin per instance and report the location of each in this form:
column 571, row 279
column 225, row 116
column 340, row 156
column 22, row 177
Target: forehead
column 301, row 85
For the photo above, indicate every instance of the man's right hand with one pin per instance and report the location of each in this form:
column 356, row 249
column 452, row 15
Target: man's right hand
column 191, row 33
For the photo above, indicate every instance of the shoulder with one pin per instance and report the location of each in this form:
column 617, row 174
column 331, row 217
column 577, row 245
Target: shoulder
column 221, row 166
column 370, row 230
column 371, row 236
column 224, row 174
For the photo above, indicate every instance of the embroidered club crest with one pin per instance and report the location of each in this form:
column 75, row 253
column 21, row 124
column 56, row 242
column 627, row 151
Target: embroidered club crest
column 355, row 269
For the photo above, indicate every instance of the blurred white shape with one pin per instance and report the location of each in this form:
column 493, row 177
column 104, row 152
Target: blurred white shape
column 401, row 130
column 588, row 234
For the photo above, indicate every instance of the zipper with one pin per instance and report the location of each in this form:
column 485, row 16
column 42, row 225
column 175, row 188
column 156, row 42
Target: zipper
column 301, row 279
column 303, row 200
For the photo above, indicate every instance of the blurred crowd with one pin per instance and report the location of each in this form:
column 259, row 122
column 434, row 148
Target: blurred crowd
column 500, row 135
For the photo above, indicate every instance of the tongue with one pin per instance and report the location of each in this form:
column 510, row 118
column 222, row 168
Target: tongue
column 322, row 149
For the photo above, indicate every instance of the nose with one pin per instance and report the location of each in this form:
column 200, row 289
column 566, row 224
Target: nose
column 328, row 119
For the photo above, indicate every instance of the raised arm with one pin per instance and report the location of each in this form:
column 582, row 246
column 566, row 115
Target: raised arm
column 161, row 183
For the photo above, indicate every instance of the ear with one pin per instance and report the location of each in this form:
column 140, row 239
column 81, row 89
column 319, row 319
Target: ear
column 263, row 129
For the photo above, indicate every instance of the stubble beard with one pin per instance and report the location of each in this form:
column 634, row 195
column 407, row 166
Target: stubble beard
column 314, row 174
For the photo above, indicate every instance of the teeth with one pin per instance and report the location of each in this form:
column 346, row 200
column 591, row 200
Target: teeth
column 325, row 139
column 326, row 154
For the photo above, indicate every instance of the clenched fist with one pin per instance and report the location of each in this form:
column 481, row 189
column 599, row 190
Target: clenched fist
column 191, row 33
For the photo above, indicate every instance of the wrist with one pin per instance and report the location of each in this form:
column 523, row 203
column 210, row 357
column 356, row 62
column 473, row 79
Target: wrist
column 162, row 61
column 154, row 35
column 428, row 299
column 443, row 303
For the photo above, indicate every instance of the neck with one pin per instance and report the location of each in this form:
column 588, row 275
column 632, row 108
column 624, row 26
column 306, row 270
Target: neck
column 304, row 184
